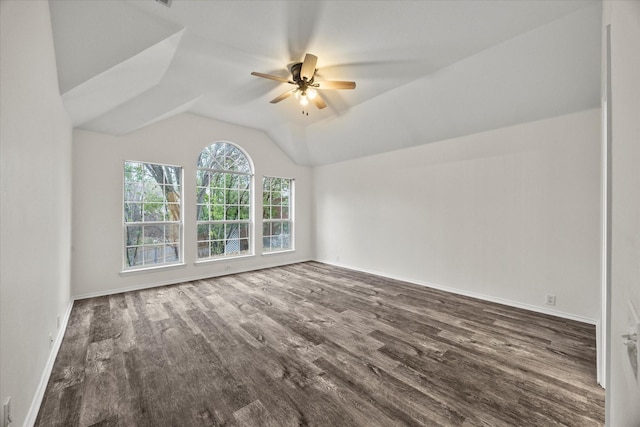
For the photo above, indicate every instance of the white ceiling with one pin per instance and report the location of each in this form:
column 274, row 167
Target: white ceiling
column 425, row 70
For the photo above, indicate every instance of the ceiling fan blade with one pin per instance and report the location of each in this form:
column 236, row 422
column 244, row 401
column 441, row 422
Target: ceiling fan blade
column 281, row 97
column 308, row 66
column 302, row 19
column 336, row 85
column 271, row 77
column 318, row 102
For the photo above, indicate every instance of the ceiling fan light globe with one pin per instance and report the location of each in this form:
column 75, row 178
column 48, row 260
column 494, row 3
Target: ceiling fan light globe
column 311, row 93
column 304, row 100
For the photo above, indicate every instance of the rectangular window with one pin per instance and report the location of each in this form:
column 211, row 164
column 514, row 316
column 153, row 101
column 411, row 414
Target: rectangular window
column 224, row 214
column 277, row 214
column 152, row 215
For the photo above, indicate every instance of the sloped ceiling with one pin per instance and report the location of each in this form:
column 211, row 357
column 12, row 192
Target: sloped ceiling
column 425, row 70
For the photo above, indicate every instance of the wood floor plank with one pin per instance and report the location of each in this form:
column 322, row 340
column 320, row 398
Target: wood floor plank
column 311, row 344
column 100, row 391
column 61, row 402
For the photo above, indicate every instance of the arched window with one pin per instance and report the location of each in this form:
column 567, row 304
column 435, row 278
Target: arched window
column 224, row 181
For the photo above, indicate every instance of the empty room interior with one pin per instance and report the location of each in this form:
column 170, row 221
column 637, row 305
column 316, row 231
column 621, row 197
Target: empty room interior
column 320, row 213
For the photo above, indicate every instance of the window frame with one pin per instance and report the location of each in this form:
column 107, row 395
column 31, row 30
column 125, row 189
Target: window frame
column 164, row 223
column 249, row 221
column 290, row 220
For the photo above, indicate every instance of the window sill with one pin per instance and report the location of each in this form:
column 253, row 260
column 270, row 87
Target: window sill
column 208, row 261
column 152, row 269
column 284, row 251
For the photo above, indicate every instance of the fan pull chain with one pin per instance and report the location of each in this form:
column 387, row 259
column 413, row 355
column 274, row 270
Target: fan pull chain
column 305, row 114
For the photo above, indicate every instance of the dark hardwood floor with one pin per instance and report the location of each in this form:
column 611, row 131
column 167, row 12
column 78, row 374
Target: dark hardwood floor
column 315, row 345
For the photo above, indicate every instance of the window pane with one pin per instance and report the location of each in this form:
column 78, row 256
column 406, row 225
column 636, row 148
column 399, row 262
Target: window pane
column 134, row 257
column 217, row 196
column 229, row 181
column 203, row 232
column 244, row 212
column 202, row 178
column 232, row 197
column 134, row 235
column 243, row 230
column 203, row 250
column 276, row 228
column 216, row 213
column 244, row 197
column 244, row 182
column 216, row 232
column 203, row 212
column 217, row 248
column 153, row 234
column 172, row 253
column 276, row 198
column 132, row 212
column 172, row 234
column 266, row 184
column 133, row 191
column 152, row 254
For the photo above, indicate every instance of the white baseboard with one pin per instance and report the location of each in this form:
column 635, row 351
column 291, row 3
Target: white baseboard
column 516, row 304
column 600, row 356
column 32, row 414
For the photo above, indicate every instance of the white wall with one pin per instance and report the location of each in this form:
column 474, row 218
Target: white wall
column 489, row 90
column 97, row 209
column 35, row 135
column 510, row 214
column 623, row 387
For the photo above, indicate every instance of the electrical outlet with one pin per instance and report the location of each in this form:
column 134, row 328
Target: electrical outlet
column 632, row 338
column 7, row 413
column 550, row 299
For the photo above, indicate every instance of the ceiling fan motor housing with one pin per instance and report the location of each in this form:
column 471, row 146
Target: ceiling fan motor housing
column 295, row 74
column 303, row 76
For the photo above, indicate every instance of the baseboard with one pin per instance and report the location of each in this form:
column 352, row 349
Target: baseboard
column 182, row 280
column 489, row 298
column 32, row 414
column 600, row 357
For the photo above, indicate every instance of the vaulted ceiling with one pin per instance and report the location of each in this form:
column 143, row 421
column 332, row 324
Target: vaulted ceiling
column 425, row 70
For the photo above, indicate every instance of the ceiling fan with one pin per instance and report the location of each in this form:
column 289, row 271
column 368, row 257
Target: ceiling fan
column 303, row 77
